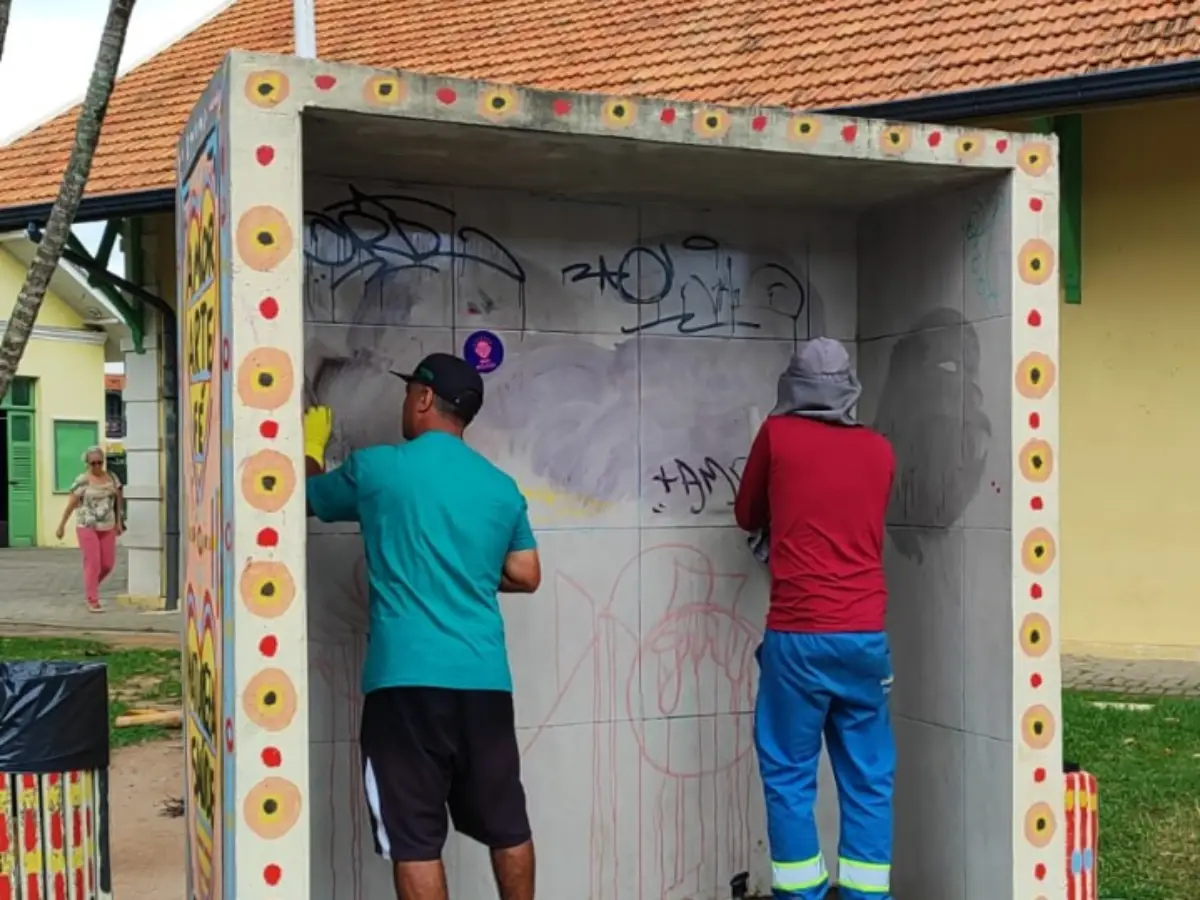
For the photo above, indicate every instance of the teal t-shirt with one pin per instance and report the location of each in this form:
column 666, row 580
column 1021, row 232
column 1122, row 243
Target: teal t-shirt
column 437, row 521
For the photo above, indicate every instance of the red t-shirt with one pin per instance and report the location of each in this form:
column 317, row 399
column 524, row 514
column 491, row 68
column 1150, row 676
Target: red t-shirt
column 823, row 491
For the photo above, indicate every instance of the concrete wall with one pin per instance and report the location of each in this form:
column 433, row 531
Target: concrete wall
column 68, row 362
column 144, row 439
column 627, row 436
column 935, row 336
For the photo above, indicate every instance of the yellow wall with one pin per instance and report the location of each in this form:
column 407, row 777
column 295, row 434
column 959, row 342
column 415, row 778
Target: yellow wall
column 1131, row 389
column 70, row 385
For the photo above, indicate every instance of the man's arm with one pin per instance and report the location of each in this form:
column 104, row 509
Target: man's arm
column 752, row 508
column 522, row 573
column 333, row 496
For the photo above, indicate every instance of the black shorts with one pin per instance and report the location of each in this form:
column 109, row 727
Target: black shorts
column 428, row 750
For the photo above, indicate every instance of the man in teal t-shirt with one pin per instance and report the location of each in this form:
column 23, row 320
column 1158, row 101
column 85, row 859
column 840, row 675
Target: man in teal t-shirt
column 443, row 530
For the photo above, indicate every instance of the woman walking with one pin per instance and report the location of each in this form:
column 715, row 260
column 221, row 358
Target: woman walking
column 96, row 500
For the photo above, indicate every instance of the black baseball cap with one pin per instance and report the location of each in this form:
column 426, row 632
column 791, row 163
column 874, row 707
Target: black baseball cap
column 453, row 379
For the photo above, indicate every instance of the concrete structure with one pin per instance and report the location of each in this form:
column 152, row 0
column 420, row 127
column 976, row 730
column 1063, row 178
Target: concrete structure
column 55, row 408
column 637, row 296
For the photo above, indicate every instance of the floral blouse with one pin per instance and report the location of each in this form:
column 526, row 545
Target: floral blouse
column 97, row 502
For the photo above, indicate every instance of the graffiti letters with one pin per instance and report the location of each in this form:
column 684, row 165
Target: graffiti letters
column 379, row 236
column 699, row 483
column 698, row 288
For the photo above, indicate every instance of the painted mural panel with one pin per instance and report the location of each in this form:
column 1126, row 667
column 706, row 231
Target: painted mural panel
column 205, row 632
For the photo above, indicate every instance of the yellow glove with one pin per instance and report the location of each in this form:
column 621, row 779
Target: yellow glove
column 318, row 426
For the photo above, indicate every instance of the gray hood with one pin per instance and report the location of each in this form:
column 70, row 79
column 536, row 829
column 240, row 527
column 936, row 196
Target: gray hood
column 818, row 384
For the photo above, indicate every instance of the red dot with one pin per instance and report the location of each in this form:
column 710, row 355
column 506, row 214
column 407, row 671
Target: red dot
column 268, row 645
column 269, row 307
column 272, row 758
column 446, row 95
column 269, row 429
column 272, row 874
column 1039, row 775
column 1036, row 503
column 1034, row 318
column 324, row 82
column 561, row 106
column 1035, row 680
column 935, row 138
column 1035, row 421
column 667, row 116
column 849, row 133
column 759, row 123
column 1039, row 871
column 1036, row 592
column 268, row 537
column 265, row 154
column 1035, row 203
column 1001, row 145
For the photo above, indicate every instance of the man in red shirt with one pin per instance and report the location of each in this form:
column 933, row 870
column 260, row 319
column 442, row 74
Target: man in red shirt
column 814, row 491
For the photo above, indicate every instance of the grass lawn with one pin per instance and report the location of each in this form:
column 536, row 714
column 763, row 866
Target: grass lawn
column 1148, row 767
column 135, row 675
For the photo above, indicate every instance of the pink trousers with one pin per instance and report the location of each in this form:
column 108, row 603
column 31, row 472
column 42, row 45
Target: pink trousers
column 99, row 556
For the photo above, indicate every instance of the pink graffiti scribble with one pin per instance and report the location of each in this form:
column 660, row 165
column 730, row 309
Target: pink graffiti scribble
column 680, row 692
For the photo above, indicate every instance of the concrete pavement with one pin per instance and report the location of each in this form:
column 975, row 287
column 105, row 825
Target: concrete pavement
column 42, row 589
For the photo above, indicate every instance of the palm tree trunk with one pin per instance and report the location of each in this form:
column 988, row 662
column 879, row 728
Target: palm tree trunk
column 70, row 192
column 5, row 9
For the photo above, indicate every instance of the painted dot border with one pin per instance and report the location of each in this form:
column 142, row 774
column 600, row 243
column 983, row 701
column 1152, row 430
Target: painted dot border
column 273, row 87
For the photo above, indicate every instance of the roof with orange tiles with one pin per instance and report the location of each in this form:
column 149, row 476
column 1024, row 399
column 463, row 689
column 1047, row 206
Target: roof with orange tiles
column 814, row 54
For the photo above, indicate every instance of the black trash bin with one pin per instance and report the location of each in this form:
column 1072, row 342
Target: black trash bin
column 54, row 752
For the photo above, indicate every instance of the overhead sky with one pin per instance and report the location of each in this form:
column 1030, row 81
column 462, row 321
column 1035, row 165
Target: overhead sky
column 51, row 47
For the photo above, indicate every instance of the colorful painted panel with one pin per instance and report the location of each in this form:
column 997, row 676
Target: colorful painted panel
column 1083, row 836
column 201, row 326
column 54, row 836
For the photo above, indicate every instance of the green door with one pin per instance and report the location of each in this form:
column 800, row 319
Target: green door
column 22, row 481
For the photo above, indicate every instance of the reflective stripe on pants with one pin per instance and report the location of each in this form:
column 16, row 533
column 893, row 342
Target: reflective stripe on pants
column 866, row 878
column 799, row 876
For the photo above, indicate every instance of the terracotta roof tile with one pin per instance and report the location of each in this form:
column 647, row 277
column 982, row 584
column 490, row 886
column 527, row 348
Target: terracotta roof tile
column 797, row 53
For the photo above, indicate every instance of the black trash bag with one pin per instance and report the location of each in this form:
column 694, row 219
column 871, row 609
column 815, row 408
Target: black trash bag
column 53, row 716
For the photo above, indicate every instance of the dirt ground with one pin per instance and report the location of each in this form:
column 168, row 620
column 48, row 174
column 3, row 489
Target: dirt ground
column 147, row 847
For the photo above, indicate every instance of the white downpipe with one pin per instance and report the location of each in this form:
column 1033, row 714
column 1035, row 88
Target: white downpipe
column 304, row 14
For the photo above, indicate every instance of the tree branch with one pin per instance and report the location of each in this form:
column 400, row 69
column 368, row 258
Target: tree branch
column 5, row 9
column 70, row 192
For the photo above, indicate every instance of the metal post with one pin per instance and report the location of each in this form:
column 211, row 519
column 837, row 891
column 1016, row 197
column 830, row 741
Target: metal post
column 305, row 17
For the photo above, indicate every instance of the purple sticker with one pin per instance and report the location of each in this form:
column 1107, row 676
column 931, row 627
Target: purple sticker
column 484, row 351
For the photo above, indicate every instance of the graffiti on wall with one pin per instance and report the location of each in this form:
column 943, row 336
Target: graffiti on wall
column 202, row 577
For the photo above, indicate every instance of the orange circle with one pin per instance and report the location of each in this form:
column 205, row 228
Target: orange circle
column 1035, row 635
column 1036, row 262
column 619, row 112
column 498, row 103
column 265, row 378
column 267, row 588
column 1036, row 460
column 268, row 480
column 1040, row 825
column 1034, row 158
column 968, row 146
column 1035, row 376
column 804, row 128
column 264, row 238
column 895, row 139
column 711, row 123
column 1037, row 727
column 272, row 808
column 1038, row 551
column 267, row 89
column 383, row 90
column 270, row 700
